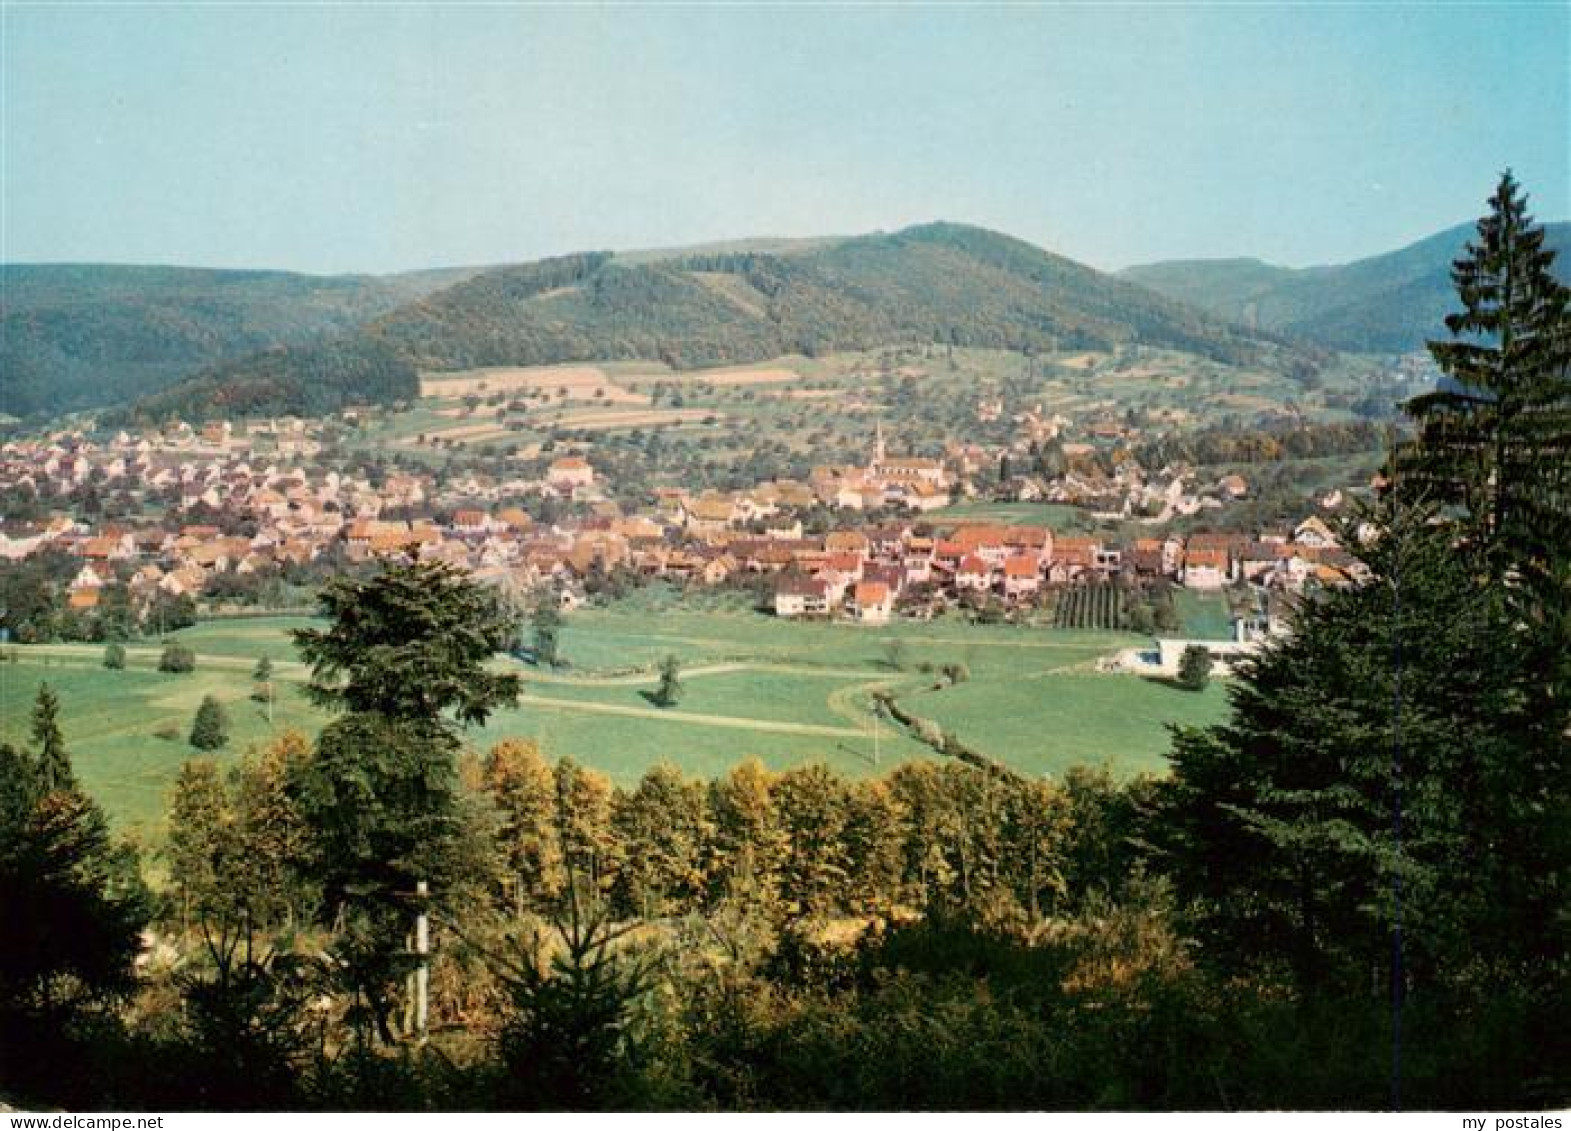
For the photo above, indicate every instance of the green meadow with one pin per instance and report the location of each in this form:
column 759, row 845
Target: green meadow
column 754, row 687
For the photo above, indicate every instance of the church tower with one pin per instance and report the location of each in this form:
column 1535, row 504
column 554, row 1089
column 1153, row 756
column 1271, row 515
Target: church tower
column 878, row 445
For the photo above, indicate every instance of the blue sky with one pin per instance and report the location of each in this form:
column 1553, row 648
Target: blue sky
column 374, row 138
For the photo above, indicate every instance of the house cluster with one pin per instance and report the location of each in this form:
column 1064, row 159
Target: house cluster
column 864, row 575
column 223, row 512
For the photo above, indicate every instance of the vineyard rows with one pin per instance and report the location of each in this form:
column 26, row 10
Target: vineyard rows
column 1100, row 605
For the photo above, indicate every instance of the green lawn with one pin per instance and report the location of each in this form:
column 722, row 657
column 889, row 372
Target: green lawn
column 1044, row 724
column 781, row 691
column 1054, row 515
column 111, row 721
column 1205, row 616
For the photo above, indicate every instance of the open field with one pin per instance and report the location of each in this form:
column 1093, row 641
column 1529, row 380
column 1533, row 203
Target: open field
column 1054, row 515
column 633, row 418
column 1205, row 616
column 723, row 377
column 723, row 416
column 782, row 692
column 112, row 720
column 575, row 382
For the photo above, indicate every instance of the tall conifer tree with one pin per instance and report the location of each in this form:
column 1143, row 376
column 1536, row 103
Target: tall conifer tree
column 1495, row 439
column 54, row 764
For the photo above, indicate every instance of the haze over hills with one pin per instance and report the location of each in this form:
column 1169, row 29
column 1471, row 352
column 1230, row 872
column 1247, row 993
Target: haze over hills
column 945, row 283
column 1389, row 303
column 84, row 335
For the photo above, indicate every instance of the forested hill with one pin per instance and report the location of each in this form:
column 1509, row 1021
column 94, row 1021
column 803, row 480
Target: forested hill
column 1389, row 303
column 935, row 283
column 78, row 336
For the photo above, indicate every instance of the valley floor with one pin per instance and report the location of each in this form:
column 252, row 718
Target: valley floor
column 753, row 687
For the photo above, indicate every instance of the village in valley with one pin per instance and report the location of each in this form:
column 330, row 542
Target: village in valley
column 784, row 558
column 232, row 516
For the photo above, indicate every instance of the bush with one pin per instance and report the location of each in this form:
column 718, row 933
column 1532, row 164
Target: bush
column 1194, row 668
column 114, row 657
column 177, row 658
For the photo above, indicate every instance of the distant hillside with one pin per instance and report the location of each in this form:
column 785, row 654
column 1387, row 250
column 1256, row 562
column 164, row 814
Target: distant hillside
column 78, row 336
column 1389, row 303
column 935, row 283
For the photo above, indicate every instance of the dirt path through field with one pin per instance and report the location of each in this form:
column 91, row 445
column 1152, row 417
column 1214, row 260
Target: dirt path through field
column 636, row 679
column 670, row 716
column 842, row 700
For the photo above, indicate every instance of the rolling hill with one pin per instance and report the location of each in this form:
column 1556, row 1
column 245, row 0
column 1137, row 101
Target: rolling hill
column 76, row 336
column 944, row 283
column 1388, row 303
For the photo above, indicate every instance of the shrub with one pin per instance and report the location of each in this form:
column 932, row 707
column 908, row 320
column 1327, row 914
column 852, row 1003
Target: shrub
column 114, row 657
column 1194, row 668
column 177, row 658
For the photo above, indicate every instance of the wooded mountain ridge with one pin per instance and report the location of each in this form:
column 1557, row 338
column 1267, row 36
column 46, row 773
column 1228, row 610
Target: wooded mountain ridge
column 1389, row 303
column 155, row 341
column 76, row 336
column 937, row 283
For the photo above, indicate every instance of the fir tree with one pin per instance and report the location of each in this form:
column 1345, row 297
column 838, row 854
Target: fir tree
column 54, row 764
column 1496, row 440
column 210, row 728
column 405, row 661
column 409, row 644
column 1404, row 735
column 79, row 905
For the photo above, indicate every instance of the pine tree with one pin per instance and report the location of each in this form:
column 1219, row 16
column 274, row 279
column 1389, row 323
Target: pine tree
column 406, row 662
column 409, row 644
column 1403, row 736
column 79, row 907
column 210, row 728
column 1496, row 441
column 54, row 764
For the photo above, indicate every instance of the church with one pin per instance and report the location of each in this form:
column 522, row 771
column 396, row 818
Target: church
column 902, row 471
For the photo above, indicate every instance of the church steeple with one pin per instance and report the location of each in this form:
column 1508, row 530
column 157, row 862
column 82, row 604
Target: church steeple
column 878, row 444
